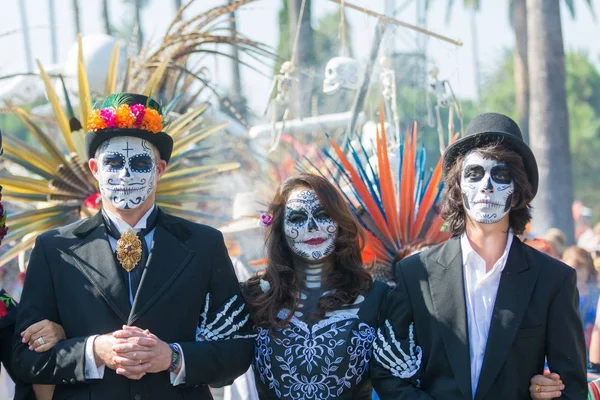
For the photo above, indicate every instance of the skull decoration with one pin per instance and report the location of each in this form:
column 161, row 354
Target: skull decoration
column 342, row 73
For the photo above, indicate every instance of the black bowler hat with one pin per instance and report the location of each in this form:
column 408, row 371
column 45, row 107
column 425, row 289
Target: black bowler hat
column 494, row 128
column 128, row 114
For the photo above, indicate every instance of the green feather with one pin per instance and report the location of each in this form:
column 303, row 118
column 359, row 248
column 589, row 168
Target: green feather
column 117, row 99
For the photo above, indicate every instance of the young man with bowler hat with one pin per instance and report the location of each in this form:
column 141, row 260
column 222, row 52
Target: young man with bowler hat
column 477, row 316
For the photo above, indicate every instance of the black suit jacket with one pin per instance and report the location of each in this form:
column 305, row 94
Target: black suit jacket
column 8, row 316
column 536, row 315
column 73, row 280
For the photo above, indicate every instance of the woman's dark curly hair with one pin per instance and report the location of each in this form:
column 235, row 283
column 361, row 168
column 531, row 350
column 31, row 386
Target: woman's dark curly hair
column 452, row 208
column 347, row 278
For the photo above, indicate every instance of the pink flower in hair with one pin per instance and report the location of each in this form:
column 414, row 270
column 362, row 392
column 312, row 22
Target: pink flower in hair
column 266, row 220
column 138, row 111
column 109, row 116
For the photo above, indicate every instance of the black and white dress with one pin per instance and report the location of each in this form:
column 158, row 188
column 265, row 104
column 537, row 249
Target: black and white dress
column 323, row 359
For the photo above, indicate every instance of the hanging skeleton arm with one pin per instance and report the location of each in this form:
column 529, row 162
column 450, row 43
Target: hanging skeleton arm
column 445, row 98
column 279, row 99
column 387, row 78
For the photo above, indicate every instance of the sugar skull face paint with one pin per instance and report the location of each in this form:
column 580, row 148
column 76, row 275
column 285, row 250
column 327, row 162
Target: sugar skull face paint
column 126, row 171
column 309, row 230
column 487, row 188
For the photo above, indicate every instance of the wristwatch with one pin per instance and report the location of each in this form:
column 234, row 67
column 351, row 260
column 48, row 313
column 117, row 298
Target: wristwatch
column 175, row 357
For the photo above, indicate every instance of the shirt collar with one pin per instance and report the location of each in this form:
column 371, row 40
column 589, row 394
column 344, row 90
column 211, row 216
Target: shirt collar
column 122, row 226
column 468, row 251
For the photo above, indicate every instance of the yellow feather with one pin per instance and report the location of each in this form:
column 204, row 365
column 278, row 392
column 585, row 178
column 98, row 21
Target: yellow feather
column 184, row 173
column 85, row 99
column 59, row 114
column 156, row 77
column 195, row 137
column 182, row 123
column 21, row 184
column 40, row 135
column 111, row 81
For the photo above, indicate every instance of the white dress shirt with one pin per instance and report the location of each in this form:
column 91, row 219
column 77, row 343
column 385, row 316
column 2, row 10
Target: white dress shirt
column 91, row 371
column 481, row 287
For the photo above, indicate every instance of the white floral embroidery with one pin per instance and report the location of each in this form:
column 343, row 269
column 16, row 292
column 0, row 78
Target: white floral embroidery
column 393, row 358
column 226, row 323
column 317, row 363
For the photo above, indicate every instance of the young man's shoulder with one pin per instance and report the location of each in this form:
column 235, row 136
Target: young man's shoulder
column 417, row 261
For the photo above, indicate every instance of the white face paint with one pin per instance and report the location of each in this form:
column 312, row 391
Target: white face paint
column 487, row 188
column 309, row 231
column 126, row 171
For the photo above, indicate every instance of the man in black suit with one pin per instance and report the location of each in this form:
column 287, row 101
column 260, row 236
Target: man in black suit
column 149, row 302
column 476, row 317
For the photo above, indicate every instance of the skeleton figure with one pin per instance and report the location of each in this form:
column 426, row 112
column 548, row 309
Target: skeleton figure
column 387, row 78
column 342, row 73
column 282, row 83
column 445, row 98
column 127, row 171
column 487, row 188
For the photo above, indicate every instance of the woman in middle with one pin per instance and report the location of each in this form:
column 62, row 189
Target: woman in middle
column 315, row 306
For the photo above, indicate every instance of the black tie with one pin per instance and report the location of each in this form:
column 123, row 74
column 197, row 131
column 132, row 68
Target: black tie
column 135, row 275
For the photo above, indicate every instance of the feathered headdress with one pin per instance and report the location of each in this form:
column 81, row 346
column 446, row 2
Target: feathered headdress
column 398, row 210
column 58, row 186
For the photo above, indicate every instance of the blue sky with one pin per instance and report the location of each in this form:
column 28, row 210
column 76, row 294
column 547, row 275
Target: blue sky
column 258, row 20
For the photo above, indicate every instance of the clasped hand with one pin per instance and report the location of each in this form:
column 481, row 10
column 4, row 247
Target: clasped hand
column 132, row 352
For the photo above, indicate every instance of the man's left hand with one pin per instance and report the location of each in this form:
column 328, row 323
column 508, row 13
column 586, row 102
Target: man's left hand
column 157, row 358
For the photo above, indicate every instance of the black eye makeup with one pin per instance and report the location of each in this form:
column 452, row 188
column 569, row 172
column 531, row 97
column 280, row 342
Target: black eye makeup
column 141, row 163
column 474, row 173
column 113, row 161
column 501, row 174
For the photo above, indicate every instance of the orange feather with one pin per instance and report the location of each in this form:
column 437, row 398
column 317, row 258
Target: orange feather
column 363, row 192
column 388, row 192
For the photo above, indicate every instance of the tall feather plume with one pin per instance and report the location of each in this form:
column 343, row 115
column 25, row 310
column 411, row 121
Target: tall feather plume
column 398, row 211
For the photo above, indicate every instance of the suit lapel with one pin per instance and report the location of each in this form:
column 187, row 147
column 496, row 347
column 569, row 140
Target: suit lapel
column 516, row 285
column 447, row 291
column 168, row 257
column 94, row 258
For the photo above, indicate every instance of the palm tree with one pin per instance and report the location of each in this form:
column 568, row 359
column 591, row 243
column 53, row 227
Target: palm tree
column 549, row 117
column 177, row 4
column 26, row 39
column 106, row 17
column 76, row 17
column 52, row 23
column 518, row 21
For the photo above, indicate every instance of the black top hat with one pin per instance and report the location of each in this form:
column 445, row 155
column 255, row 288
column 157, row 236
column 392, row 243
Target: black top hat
column 494, row 128
column 128, row 114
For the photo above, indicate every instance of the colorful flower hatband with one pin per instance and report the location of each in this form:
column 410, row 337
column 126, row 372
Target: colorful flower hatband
column 136, row 116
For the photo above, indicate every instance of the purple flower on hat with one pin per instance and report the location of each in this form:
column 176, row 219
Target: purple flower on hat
column 266, row 220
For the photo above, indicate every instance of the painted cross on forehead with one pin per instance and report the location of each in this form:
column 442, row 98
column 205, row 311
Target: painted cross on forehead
column 309, row 230
column 127, row 171
column 487, row 188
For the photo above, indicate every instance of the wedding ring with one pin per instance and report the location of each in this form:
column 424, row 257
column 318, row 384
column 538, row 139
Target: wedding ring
column 40, row 340
column 538, row 388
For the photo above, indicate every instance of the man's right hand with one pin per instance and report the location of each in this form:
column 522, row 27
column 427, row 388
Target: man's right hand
column 104, row 354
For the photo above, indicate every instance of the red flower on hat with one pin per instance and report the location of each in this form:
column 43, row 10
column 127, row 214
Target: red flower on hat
column 92, row 202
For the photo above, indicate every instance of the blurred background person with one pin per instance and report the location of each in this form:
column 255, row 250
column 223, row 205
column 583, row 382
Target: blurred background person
column 587, row 284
